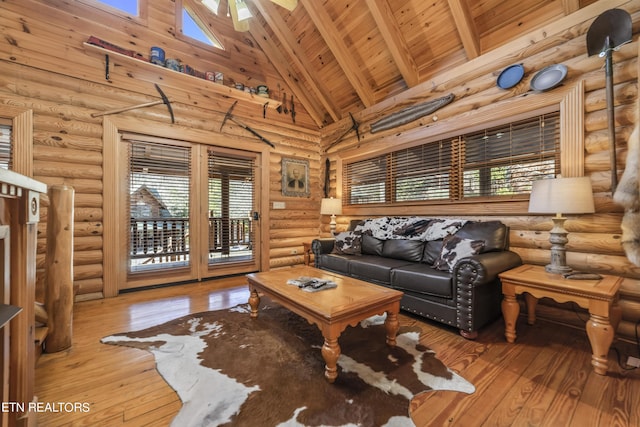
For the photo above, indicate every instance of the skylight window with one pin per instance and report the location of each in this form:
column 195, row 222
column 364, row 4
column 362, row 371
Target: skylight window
column 191, row 28
column 128, row 6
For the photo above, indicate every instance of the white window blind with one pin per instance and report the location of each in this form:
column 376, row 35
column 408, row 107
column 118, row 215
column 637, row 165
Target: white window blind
column 504, row 160
column 422, row 172
column 497, row 161
column 231, row 207
column 159, row 184
column 5, row 144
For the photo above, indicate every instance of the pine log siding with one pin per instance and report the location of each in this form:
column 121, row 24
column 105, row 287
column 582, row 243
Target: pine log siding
column 45, row 68
column 594, row 240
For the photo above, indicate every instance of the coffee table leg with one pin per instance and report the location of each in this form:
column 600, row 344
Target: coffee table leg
column 254, row 302
column 510, row 310
column 330, row 354
column 392, row 326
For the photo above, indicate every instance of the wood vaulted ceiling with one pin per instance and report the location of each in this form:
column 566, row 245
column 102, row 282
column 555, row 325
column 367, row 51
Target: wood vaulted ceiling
column 342, row 56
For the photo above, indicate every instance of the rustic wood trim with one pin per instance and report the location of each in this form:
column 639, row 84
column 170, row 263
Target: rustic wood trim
column 572, row 132
column 22, row 130
column 340, row 50
column 393, row 38
column 112, row 276
column 263, row 175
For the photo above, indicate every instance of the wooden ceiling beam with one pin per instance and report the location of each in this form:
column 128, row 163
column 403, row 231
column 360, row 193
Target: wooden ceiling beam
column 393, row 38
column 281, row 65
column 340, row 50
column 466, row 27
column 570, row 6
column 295, row 53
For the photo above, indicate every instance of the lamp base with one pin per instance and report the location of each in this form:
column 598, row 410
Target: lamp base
column 558, row 240
column 557, row 269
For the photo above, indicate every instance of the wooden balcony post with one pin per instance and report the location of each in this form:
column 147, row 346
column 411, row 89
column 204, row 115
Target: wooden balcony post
column 59, row 269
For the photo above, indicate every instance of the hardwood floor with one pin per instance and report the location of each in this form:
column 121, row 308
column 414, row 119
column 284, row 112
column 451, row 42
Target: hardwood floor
column 544, row 379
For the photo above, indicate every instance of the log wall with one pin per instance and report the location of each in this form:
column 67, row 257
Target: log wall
column 594, row 240
column 45, row 68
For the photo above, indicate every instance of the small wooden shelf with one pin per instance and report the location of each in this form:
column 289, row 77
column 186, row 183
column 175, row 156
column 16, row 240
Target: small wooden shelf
column 214, row 87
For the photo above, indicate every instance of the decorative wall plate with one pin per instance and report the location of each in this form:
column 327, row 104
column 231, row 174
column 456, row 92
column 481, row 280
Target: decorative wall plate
column 510, row 76
column 548, row 77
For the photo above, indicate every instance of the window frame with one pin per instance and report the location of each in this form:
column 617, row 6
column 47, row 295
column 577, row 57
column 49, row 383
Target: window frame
column 179, row 5
column 22, row 138
column 141, row 18
column 569, row 101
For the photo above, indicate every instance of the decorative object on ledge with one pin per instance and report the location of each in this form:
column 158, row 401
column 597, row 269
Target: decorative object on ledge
column 229, row 116
column 410, row 114
column 213, row 86
column 164, row 100
column 510, row 76
column 331, row 207
column 295, row 177
column 607, row 33
column 561, row 196
column 354, row 126
column 549, row 77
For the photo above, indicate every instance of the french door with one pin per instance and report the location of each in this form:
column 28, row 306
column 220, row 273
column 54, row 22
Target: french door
column 192, row 211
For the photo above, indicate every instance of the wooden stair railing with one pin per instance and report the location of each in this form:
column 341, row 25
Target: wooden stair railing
column 20, row 210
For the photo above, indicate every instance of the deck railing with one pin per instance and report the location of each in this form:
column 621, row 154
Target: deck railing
column 169, row 237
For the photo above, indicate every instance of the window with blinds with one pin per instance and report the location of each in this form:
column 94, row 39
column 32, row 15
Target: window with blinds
column 5, row 144
column 497, row 161
column 159, row 183
column 504, row 160
column 231, row 207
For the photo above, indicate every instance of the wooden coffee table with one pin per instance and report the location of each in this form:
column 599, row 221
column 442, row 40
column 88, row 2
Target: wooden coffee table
column 332, row 310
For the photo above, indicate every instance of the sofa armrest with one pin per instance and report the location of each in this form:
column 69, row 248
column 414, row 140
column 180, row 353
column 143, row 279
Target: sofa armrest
column 322, row 246
column 484, row 268
column 477, row 288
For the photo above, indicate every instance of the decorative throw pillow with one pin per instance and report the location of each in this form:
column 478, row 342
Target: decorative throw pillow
column 455, row 248
column 348, row 243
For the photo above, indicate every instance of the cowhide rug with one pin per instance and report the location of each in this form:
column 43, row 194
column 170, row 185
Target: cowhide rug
column 229, row 369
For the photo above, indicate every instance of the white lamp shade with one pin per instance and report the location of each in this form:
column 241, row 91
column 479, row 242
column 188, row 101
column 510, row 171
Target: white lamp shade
column 562, row 196
column 331, row 206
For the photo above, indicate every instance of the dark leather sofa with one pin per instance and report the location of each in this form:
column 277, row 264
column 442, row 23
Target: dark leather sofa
column 457, row 285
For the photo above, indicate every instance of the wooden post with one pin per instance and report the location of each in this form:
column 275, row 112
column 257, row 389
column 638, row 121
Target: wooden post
column 59, row 268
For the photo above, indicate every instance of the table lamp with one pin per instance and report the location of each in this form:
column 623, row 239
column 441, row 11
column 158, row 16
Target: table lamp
column 561, row 196
column 331, row 207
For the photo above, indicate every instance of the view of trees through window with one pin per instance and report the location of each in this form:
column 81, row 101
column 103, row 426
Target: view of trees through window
column 497, row 161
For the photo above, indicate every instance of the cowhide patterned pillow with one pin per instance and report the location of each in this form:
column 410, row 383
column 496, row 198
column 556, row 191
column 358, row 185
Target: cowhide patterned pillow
column 455, row 248
column 348, row 243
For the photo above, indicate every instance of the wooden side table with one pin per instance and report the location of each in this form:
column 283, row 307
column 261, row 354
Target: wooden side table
column 599, row 296
column 306, row 251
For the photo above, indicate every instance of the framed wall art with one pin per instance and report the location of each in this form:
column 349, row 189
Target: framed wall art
column 295, row 177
